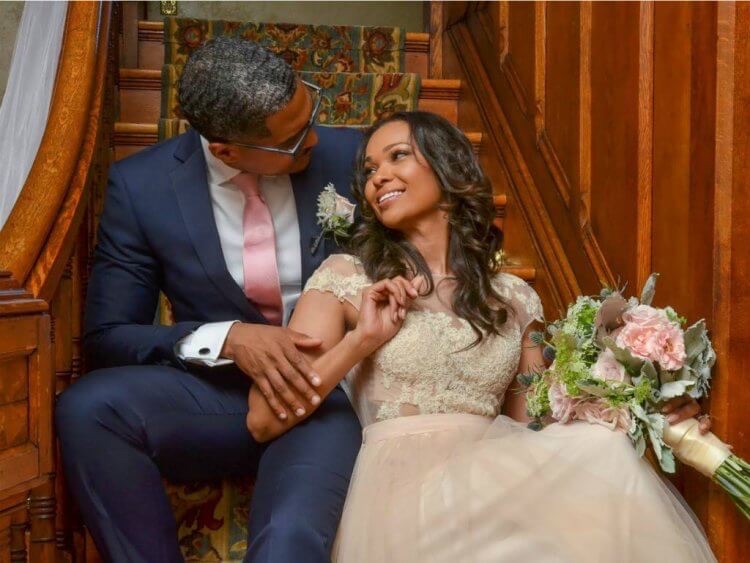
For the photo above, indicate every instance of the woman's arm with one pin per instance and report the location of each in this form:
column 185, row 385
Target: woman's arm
column 321, row 315
column 515, row 396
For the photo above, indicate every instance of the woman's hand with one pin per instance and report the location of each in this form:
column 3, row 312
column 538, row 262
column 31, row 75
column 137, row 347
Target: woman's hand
column 383, row 310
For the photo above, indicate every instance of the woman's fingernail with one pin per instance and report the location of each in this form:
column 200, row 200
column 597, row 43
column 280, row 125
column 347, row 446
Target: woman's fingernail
column 282, row 415
column 315, row 400
column 300, row 412
column 672, row 418
column 315, row 379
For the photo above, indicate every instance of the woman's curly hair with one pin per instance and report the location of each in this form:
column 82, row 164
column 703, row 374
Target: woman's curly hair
column 467, row 199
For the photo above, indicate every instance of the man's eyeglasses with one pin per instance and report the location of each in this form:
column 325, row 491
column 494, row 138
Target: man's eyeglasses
column 293, row 145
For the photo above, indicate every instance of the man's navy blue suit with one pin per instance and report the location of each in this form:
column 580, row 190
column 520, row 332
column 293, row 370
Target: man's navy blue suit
column 143, row 413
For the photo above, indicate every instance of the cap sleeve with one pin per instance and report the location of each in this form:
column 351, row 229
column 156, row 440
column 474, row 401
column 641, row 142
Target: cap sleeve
column 521, row 297
column 343, row 276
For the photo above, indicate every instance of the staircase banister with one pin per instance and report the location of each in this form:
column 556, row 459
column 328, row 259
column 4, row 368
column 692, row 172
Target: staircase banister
column 50, row 199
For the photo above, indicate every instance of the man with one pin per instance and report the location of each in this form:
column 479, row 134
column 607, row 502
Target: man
column 222, row 220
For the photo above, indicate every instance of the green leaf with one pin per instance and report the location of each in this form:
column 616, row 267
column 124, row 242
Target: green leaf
column 675, row 389
column 649, row 289
column 649, row 371
column 667, row 461
column 631, row 363
column 696, row 340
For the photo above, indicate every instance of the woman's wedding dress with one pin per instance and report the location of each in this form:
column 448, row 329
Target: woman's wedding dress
column 442, row 478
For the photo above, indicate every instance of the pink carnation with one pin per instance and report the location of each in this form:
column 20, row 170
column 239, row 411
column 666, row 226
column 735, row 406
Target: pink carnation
column 594, row 411
column 598, row 411
column 650, row 335
column 561, row 404
column 608, row 368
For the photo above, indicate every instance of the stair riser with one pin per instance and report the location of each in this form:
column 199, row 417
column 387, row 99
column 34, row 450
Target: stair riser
column 130, row 138
column 140, row 99
column 151, row 52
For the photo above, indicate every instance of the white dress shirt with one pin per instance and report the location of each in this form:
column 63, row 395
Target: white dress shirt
column 205, row 344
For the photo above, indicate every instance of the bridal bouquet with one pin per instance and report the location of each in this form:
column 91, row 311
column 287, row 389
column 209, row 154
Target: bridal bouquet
column 615, row 361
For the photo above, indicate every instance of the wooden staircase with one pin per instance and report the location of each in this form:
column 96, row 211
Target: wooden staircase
column 139, row 96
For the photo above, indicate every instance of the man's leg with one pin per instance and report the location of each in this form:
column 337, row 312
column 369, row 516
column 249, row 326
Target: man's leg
column 122, row 429
column 302, row 482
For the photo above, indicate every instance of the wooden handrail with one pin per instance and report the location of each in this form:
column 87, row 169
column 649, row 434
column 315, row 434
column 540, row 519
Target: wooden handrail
column 41, row 200
column 45, row 276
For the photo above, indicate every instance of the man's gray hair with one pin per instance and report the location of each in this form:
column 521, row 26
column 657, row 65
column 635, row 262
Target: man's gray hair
column 230, row 86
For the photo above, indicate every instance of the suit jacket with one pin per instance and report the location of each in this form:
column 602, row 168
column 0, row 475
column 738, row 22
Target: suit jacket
column 157, row 232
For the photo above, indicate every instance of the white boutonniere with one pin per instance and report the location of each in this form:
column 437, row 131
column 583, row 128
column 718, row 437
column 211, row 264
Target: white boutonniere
column 335, row 216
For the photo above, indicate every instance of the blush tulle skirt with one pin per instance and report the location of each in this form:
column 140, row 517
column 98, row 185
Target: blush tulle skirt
column 458, row 488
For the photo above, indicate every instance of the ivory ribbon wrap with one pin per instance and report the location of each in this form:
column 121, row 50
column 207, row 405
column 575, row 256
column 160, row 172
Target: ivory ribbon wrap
column 704, row 452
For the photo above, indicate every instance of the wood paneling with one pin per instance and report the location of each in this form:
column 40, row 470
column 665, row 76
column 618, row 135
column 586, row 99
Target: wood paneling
column 521, row 54
column 623, row 134
column 561, row 89
column 614, row 133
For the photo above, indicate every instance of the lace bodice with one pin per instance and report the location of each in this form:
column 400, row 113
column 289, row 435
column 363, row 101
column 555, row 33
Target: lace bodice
column 423, row 369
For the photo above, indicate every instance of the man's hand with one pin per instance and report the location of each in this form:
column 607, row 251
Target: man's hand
column 270, row 356
column 684, row 407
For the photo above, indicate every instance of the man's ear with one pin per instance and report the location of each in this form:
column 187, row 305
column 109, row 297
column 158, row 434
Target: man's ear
column 228, row 154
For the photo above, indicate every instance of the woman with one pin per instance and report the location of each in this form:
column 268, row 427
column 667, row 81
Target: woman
column 430, row 339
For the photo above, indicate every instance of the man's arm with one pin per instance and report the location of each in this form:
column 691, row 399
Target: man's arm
column 123, row 292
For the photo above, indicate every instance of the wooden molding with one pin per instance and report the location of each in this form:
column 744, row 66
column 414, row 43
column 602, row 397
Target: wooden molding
column 476, row 141
column 151, row 31
column 540, row 66
column 138, row 134
column 500, row 202
column 584, row 118
column 417, row 42
column 37, row 207
column 526, row 274
column 439, row 89
column 509, row 68
column 555, row 167
column 645, row 141
column 139, row 79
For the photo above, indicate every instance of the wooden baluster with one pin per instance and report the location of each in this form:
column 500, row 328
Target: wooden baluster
column 42, row 516
column 5, row 539
column 18, row 527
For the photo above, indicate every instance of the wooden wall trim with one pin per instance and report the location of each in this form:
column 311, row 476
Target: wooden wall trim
column 35, row 212
column 645, row 141
column 727, row 529
column 564, row 286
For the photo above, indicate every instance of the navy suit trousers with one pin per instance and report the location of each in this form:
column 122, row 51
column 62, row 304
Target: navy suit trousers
column 122, row 429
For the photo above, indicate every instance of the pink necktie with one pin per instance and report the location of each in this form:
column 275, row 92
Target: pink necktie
column 259, row 250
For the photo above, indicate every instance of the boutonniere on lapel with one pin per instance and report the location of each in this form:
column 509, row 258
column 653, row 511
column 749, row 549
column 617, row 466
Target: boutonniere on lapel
column 335, row 216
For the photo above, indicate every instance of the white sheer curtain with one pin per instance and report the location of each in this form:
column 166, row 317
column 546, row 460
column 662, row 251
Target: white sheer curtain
column 24, row 110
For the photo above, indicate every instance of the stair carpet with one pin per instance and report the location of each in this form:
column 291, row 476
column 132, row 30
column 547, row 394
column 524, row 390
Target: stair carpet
column 140, row 102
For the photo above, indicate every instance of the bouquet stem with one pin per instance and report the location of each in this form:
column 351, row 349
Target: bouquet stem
column 713, row 458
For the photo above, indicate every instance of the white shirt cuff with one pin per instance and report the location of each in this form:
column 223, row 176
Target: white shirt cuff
column 205, row 344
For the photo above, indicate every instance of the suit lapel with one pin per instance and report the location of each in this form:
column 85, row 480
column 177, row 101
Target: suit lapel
column 189, row 182
column 306, row 201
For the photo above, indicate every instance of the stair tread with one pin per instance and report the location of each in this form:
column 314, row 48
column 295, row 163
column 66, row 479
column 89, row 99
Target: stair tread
column 125, row 126
column 430, row 88
column 415, row 38
column 445, row 83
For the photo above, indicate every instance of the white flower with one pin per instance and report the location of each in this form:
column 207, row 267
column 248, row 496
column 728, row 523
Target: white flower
column 333, row 207
column 335, row 215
